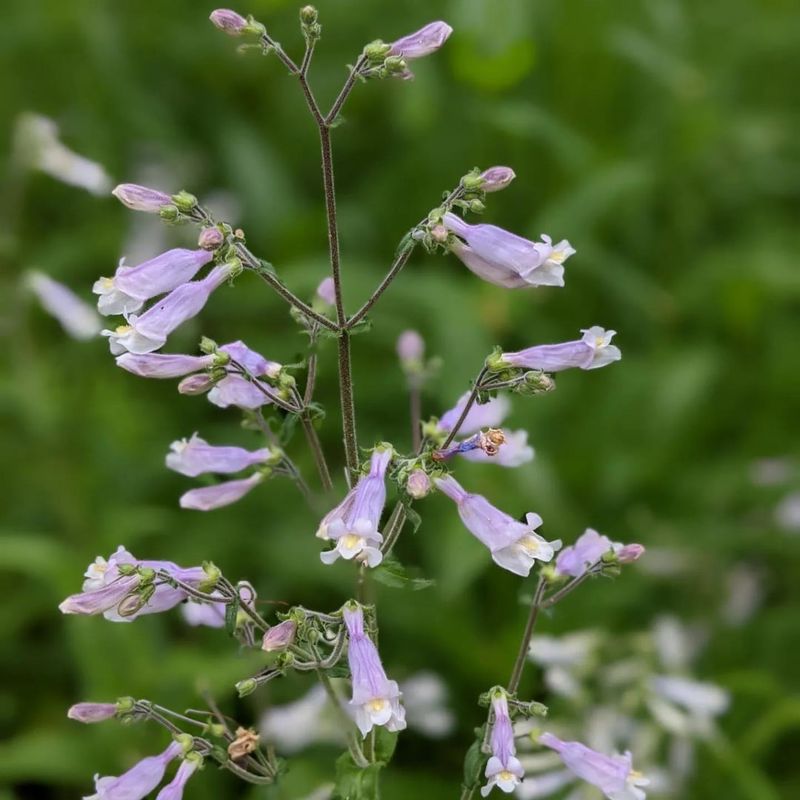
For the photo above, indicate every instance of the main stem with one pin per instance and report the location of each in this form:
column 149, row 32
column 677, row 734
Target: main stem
column 345, row 369
column 519, row 664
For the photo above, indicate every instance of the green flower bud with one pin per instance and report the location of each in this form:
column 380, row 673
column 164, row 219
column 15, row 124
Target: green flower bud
column 246, row 687
column 169, row 213
column 213, row 574
column 377, row 51
column 184, row 201
column 208, row 346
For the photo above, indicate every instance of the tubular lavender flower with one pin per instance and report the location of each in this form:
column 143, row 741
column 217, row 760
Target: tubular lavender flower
column 355, row 531
column 505, row 259
column 514, row 452
column 503, row 769
column 228, row 21
column 423, row 42
column 139, row 780
column 76, row 317
column 211, row 615
column 514, row 546
column 613, row 775
column 140, row 198
column 376, row 699
column 174, row 789
column 486, row 415
column 113, row 588
column 587, row 551
column 593, row 351
column 219, row 495
column 128, row 289
column 195, row 456
column 234, row 390
column 252, row 361
column 149, row 331
column 164, row 365
column 92, row 712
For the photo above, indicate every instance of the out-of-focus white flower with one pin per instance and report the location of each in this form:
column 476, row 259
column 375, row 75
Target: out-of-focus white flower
column 685, row 706
column 38, row 146
column 425, row 699
column 295, row 726
column 676, row 644
column 770, row 471
column 787, row 513
column 570, row 650
column 745, row 593
column 77, row 317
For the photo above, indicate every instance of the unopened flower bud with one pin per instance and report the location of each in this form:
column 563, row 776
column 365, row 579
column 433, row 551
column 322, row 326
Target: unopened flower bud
column 279, row 637
column 326, row 291
column 213, row 574
column 540, row 381
column 308, row 15
column 377, row 50
column 439, row 233
column 630, row 553
column 196, row 384
column 140, row 198
column 92, row 712
column 210, row 239
column 477, row 206
column 184, row 201
column 169, row 213
column 496, row 178
column 228, row 21
column 246, row 687
column 410, row 349
column 418, row 484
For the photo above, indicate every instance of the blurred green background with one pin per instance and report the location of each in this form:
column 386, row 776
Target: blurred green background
column 659, row 137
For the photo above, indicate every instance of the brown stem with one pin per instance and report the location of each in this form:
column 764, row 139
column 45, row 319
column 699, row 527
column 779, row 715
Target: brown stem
column 519, row 664
column 470, row 402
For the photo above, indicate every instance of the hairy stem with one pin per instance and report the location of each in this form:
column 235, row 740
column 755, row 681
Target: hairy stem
column 519, row 664
column 393, row 528
column 352, row 739
column 470, row 402
column 316, row 450
column 346, row 89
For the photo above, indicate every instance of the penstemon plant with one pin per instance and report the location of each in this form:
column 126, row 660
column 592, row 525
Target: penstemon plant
column 159, row 295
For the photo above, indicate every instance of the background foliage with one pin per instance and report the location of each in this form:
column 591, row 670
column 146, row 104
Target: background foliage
column 657, row 136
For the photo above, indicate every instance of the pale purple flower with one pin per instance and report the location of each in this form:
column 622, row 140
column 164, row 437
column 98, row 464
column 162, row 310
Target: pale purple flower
column 418, row 484
column 210, row 239
column 92, row 712
column 586, row 552
column 279, row 636
column 138, row 781
column 514, row 452
column 497, row 178
column 355, row 527
column 339, row 511
column 514, row 545
column 196, row 384
column 174, row 789
column 195, row 456
column 423, row 42
column 613, row 775
column 163, row 365
column 698, row 698
column 234, row 390
column 252, row 361
column 129, row 287
column 326, row 291
column 229, row 21
column 503, row 769
column 149, row 332
column 410, row 349
column 108, row 592
column 75, row 316
column 219, row 495
column 593, row 351
column 505, row 259
column 211, row 615
column 376, row 699
column 487, row 415
column 140, row 198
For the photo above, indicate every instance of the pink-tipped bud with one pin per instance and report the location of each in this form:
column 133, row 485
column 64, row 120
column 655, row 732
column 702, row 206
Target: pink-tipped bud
column 228, row 21
column 630, row 553
column 418, row 484
column 140, row 198
column 422, row 42
column 279, row 637
column 410, row 348
column 327, row 292
column 196, row 384
column 210, row 239
column 92, row 712
column 497, row 178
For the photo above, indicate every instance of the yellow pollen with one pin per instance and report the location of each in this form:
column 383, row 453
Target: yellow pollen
column 123, row 329
column 635, row 775
column 505, row 775
column 350, row 540
column 599, row 341
column 529, row 545
column 108, row 283
column 376, row 705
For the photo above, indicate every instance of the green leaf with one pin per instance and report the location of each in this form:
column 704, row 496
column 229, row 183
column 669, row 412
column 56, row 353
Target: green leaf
column 475, row 760
column 354, row 782
column 385, row 743
column 231, row 615
column 392, row 573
